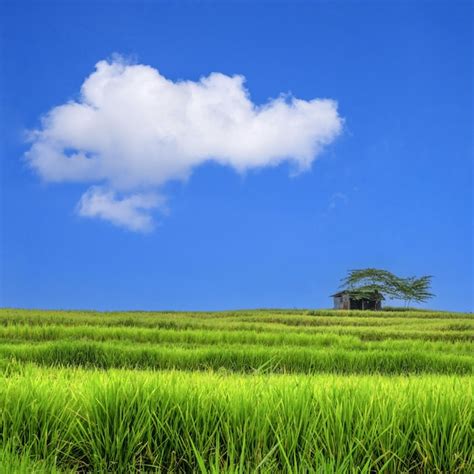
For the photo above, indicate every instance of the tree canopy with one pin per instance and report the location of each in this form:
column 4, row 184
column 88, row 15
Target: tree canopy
column 370, row 282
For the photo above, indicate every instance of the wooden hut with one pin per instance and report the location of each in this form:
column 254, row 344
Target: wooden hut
column 344, row 300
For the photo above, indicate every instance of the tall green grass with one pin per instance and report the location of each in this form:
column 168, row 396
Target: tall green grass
column 299, row 342
column 201, row 422
column 286, row 359
column 256, row 391
column 272, row 337
column 366, row 325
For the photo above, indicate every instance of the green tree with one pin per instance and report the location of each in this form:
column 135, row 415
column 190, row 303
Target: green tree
column 415, row 289
column 368, row 282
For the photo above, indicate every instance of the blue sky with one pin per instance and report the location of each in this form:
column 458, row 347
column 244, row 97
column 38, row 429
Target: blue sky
column 392, row 189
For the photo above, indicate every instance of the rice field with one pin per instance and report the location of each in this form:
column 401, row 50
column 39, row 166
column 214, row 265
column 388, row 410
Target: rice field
column 265, row 391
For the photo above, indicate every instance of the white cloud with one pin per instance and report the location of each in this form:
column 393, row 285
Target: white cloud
column 129, row 212
column 335, row 199
column 132, row 130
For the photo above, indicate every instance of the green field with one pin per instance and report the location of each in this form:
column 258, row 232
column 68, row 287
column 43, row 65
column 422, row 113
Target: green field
column 241, row 391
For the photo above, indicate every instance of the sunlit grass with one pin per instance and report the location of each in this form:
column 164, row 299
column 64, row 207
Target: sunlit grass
column 243, row 391
column 237, row 358
column 122, row 420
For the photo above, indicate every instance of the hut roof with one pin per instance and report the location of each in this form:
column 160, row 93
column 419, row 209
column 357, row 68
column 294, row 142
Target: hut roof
column 376, row 294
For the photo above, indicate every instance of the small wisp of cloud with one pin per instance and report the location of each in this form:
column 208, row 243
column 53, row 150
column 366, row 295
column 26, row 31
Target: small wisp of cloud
column 131, row 211
column 133, row 130
column 335, row 199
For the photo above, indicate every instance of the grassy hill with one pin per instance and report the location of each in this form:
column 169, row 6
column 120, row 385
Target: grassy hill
column 236, row 391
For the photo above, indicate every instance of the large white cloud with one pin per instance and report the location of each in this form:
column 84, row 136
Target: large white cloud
column 132, row 130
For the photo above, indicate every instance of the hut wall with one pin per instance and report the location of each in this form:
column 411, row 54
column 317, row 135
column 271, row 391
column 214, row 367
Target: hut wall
column 346, row 302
